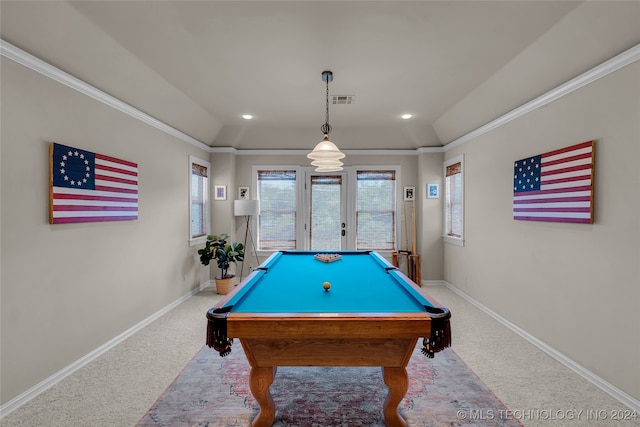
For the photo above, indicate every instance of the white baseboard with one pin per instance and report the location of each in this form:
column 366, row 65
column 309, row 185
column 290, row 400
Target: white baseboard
column 34, row 391
column 432, row 283
column 605, row 386
column 44, row 385
column 208, row 284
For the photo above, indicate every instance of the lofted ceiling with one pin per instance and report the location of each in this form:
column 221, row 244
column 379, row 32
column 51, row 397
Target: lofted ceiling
column 199, row 65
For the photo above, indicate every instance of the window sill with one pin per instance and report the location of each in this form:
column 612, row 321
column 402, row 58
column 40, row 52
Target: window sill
column 263, row 253
column 453, row 240
column 197, row 241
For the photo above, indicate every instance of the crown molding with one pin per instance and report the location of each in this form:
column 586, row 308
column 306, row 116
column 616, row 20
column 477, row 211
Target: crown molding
column 239, row 152
column 625, row 58
column 26, row 59
column 430, row 150
column 222, row 150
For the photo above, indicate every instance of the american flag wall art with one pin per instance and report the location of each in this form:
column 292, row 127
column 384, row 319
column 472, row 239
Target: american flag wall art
column 556, row 186
column 90, row 187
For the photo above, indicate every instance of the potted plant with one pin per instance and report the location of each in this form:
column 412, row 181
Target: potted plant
column 216, row 247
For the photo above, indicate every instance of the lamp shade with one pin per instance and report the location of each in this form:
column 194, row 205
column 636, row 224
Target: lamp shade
column 328, row 168
column 246, row 207
column 327, row 162
column 326, row 150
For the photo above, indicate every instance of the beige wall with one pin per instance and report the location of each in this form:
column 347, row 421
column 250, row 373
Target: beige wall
column 430, row 217
column 587, row 36
column 416, row 170
column 122, row 272
column 223, row 167
column 574, row 287
column 68, row 289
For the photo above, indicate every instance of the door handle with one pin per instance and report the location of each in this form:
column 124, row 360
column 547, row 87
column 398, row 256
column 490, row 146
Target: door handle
column 343, row 232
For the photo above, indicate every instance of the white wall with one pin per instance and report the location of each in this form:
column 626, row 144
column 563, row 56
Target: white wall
column 68, row 289
column 575, row 287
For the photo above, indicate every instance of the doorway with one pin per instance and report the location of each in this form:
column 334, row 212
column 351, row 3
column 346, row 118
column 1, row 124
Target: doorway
column 326, row 219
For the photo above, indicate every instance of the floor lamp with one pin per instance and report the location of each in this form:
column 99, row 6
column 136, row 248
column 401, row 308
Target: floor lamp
column 247, row 209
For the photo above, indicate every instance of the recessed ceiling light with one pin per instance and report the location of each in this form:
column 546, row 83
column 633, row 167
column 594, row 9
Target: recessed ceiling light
column 247, row 116
column 406, row 116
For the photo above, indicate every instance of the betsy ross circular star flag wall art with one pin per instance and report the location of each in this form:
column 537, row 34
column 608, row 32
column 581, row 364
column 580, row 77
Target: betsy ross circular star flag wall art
column 90, row 187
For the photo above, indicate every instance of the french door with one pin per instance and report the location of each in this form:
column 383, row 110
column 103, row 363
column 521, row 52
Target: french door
column 326, row 211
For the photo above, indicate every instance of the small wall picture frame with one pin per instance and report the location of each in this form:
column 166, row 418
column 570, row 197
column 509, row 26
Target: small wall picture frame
column 243, row 193
column 433, row 191
column 220, row 192
column 409, row 193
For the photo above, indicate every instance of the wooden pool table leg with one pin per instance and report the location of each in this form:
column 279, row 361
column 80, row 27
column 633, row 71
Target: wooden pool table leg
column 397, row 380
column 259, row 381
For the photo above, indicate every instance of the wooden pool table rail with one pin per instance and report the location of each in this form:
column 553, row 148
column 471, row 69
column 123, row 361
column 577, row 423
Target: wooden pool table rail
column 385, row 339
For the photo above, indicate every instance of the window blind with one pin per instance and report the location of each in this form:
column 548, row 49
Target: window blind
column 324, row 231
column 277, row 221
column 453, row 196
column 375, row 210
column 198, row 170
column 198, row 200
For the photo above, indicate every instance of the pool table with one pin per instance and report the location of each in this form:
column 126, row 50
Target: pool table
column 371, row 315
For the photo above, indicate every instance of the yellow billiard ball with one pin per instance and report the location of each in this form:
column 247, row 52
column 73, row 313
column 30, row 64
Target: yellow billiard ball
column 326, row 286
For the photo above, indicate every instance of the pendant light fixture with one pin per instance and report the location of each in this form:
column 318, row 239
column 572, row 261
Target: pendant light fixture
column 326, row 155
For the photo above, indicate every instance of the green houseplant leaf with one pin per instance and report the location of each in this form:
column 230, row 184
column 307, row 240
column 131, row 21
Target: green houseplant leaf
column 216, row 247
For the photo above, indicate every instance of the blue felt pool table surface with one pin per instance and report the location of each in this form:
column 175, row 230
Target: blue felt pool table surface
column 361, row 282
column 373, row 315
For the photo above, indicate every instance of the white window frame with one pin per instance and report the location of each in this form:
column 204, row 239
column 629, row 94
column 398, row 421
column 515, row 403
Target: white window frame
column 459, row 241
column 353, row 172
column 308, row 171
column 193, row 241
column 299, row 203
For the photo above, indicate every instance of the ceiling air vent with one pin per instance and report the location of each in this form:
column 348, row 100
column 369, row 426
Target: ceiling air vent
column 343, row 99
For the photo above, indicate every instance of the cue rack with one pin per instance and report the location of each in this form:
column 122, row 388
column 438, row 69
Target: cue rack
column 412, row 257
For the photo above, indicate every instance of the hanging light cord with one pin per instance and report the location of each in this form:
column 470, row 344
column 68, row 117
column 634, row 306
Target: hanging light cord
column 326, row 156
column 326, row 127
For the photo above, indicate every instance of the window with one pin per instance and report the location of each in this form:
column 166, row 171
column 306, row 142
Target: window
column 326, row 212
column 277, row 192
column 376, row 210
column 199, row 200
column 353, row 209
column 454, row 201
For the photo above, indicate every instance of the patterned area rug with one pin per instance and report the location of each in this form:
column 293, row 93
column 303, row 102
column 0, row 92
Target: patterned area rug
column 214, row 391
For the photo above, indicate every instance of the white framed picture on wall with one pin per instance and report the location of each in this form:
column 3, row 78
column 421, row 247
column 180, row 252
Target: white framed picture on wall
column 433, row 191
column 243, row 193
column 409, row 193
column 220, row 192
